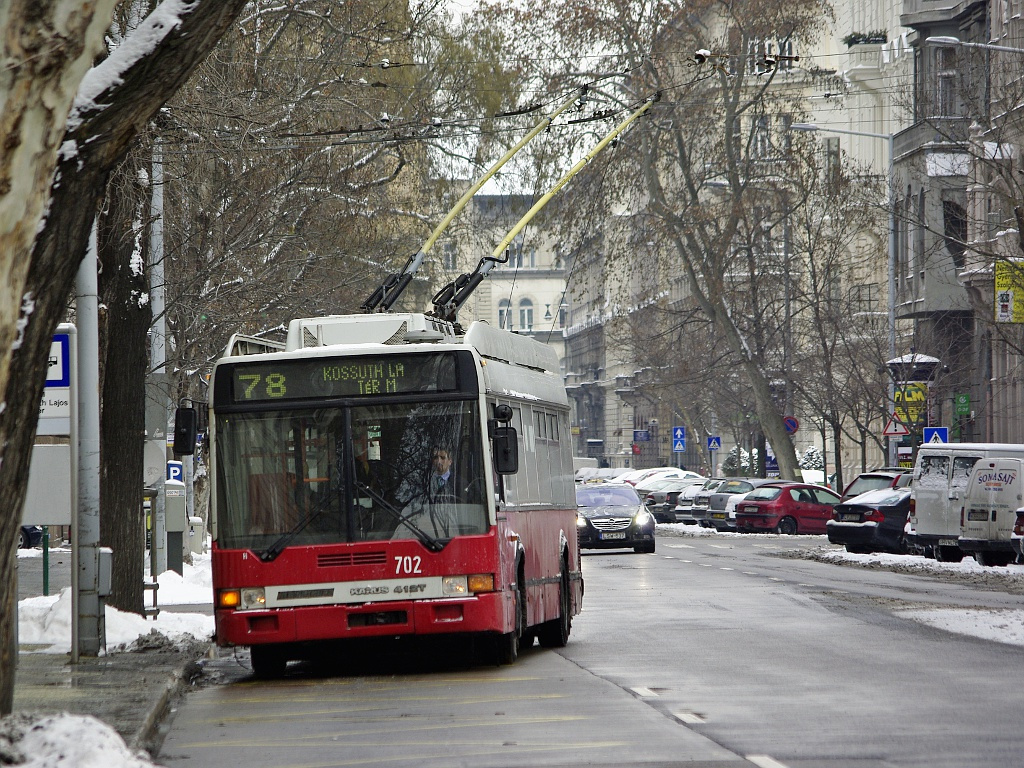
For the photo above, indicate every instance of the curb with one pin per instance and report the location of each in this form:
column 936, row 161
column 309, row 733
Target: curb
column 149, row 735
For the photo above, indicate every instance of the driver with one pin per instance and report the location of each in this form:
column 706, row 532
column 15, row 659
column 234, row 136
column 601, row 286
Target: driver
column 433, row 509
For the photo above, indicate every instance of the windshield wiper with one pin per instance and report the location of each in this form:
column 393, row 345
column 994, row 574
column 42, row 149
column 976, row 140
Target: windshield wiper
column 428, row 541
column 271, row 553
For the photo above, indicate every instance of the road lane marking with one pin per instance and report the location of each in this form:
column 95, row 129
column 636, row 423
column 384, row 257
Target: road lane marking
column 764, row 761
column 727, row 569
column 680, row 546
column 643, row 693
column 690, row 718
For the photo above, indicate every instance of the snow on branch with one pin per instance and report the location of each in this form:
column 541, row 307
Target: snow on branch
column 140, row 43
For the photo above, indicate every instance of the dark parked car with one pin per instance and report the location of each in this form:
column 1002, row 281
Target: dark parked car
column 661, row 500
column 611, row 516
column 872, row 522
column 718, row 504
column 30, row 536
column 786, row 507
column 878, row 478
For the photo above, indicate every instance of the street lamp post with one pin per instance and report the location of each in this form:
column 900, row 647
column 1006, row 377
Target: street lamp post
column 891, row 266
column 956, row 41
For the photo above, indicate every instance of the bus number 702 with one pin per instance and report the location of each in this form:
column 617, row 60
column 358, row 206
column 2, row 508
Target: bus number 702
column 407, row 564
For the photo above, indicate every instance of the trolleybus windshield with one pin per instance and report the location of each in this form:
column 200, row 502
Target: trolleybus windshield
column 349, row 473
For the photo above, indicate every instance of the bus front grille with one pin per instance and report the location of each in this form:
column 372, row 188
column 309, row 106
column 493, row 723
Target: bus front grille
column 351, row 558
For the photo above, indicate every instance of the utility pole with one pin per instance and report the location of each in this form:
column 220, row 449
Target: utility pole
column 88, row 632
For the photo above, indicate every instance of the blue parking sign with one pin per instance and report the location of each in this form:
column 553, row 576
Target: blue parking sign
column 175, row 471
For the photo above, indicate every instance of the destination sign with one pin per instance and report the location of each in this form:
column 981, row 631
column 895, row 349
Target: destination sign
column 343, row 377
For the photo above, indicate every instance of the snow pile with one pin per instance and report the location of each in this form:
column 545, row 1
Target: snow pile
column 77, row 741
column 71, row 741
column 46, row 621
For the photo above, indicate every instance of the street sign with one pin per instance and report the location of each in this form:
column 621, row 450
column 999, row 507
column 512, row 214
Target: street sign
column 791, row 423
column 175, row 471
column 641, row 436
column 962, row 404
column 936, row 434
column 58, row 369
column 55, row 406
column 895, row 427
column 678, row 446
column 679, row 433
column 714, row 442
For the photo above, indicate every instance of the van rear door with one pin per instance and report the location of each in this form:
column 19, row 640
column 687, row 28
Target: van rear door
column 992, row 499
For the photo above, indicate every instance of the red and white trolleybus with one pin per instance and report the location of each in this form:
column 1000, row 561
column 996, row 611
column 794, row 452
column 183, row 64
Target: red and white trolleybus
column 388, row 474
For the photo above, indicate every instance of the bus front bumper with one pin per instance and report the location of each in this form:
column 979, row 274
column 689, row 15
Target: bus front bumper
column 480, row 613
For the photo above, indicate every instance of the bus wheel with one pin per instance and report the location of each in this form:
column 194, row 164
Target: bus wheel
column 506, row 646
column 267, row 661
column 555, row 633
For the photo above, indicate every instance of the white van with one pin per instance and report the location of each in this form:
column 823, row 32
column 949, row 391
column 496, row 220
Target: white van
column 940, row 478
column 995, row 491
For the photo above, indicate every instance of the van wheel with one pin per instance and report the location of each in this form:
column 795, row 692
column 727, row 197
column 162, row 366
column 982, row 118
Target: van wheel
column 993, row 559
column 786, row 526
column 948, row 554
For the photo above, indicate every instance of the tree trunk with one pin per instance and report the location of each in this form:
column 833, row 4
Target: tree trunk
column 123, row 292
column 47, row 47
column 98, row 140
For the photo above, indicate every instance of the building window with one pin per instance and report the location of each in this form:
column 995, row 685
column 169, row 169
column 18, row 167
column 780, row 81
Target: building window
column 504, row 318
column 864, row 298
column 946, row 100
column 526, row 315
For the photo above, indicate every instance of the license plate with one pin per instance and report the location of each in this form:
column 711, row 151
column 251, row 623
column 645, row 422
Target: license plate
column 979, row 515
column 849, row 517
column 948, row 543
column 748, row 509
column 616, row 535
column 718, row 515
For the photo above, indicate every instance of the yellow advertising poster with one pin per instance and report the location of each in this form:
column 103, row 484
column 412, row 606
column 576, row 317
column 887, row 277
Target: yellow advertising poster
column 911, row 403
column 1009, row 291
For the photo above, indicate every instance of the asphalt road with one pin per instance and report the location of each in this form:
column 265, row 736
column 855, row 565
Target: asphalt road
column 714, row 651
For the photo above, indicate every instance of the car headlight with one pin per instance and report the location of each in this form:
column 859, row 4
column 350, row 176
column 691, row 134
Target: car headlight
column 643, row 518
column 581, row 521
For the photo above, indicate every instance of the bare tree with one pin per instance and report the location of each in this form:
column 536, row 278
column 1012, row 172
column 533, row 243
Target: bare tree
column 120, row 94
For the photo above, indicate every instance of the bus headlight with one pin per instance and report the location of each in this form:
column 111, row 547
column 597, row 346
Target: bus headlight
column 248, row 599
column 462, row 586
column 454, row 586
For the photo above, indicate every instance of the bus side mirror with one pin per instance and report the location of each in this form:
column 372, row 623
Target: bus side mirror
column 186, row 427
column 505, row 445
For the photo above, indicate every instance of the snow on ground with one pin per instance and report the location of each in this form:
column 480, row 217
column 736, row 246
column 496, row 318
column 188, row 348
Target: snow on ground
column 46, row 621
column 55, row 741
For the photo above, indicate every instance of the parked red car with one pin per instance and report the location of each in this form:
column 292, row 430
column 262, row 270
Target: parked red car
column 786, row 507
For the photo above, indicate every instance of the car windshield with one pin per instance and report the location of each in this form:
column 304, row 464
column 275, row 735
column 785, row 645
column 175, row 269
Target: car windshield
column 763, row 494
column 735, row 486
column 866, row 483
column 596, row 496
column 882, row 497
